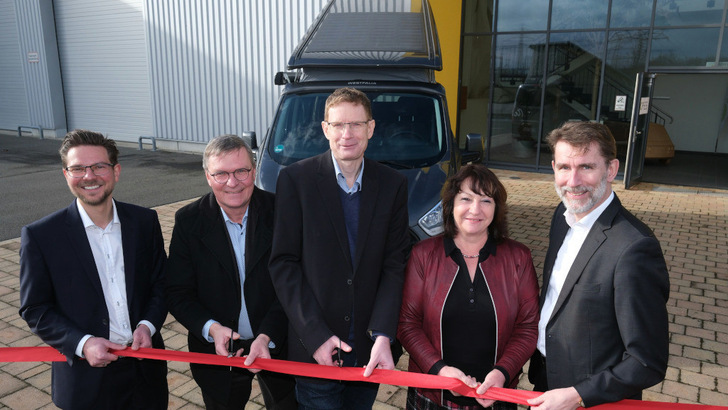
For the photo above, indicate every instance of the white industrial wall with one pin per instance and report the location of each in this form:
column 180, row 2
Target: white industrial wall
column 212, row 63
column 13, row 100
column 179, row 70
column 103, row 52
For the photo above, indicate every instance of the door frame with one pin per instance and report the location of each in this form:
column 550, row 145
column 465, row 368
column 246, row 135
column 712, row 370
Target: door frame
column 638, row 128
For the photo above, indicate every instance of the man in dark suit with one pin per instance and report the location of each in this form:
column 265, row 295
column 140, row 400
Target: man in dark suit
column 603, row 333
column 218, row 284
column 339, row 250
column 91, row 281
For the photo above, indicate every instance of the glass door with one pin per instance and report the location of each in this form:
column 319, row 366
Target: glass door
column 639, row 125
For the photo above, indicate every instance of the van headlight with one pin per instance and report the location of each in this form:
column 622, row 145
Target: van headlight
column 431, row 222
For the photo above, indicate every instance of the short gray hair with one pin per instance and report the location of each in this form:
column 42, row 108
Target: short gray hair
column 223, row 144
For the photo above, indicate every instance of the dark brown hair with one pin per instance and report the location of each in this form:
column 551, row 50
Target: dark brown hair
column 580, row 134
column 483, row 182
column 349, row 95
column 77, row 138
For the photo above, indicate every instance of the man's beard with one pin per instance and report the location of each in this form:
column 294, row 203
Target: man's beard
column 595, row 195
column 96, row 201
column 79, row 193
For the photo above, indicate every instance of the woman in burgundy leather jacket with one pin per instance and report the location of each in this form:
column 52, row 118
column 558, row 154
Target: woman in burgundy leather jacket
column 470, row 301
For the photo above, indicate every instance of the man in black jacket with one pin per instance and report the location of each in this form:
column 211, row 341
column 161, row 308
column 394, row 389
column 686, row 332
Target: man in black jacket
column 91, row 282
column 218, row 284
column 339, row 255
column 603, row 334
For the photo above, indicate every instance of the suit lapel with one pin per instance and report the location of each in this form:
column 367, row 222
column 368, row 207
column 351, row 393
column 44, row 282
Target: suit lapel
column 76, row 234
column 329, row 191
column 369, row 194
column 129, row 234
column 259, row 237
column 592, row 243
column 559, row 228
column 215, row 237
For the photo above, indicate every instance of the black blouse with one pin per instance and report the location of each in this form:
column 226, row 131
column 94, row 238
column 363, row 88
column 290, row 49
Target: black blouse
column 468, row 321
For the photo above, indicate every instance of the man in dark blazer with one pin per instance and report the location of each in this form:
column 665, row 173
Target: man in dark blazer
column 91, row 281
column 217, row 281
column 339, row 249
column 603, row 333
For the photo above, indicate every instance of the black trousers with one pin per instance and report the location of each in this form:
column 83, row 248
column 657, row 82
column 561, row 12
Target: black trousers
column 278, row 391
column 128, row 383
column 537, row 372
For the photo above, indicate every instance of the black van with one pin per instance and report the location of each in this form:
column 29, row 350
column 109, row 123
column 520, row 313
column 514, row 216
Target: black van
column 390, row 53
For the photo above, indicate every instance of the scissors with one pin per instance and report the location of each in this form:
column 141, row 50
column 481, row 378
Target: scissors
column 231, row 348
column 338, row 353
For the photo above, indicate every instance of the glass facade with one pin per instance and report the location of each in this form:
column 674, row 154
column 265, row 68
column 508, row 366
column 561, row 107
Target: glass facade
column 530, row 65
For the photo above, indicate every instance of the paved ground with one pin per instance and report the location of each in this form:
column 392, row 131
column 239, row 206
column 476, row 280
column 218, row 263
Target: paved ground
column 32, row 183
column 692, row 226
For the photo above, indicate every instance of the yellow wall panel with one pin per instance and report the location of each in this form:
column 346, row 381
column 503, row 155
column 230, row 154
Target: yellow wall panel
column 447, row 18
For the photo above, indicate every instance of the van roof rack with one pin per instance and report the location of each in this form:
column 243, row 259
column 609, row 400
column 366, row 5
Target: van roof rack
column 365, row 33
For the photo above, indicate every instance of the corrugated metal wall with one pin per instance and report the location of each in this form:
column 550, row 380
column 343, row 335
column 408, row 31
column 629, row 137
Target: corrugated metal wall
column 181, row 70
column 103, row 53
column 212, row 63
column 13, row 99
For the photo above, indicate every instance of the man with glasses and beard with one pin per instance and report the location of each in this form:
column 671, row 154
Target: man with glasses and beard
column 91, row 283
column 603, row 332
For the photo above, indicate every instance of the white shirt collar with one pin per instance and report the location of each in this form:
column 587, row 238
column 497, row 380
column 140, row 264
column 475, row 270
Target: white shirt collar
column 588, row 220
column 87, row 222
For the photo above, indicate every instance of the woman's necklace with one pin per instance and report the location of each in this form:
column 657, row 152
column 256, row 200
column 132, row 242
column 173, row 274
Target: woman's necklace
column 470, row 256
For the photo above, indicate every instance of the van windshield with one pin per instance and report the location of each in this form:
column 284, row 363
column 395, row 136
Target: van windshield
column 408, row 130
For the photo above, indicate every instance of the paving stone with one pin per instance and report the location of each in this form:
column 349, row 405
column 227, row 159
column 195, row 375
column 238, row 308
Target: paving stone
column 194, row 397
column 680, row 391
column 696, row 379
column 41, row 381
column 9, row 383
column 27, row 398
column 716, row 398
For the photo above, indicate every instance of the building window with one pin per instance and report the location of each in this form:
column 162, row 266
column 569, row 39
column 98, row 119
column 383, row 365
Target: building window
column 631, row 13
column 579, row 14
column 521, row 15
column 684, row 47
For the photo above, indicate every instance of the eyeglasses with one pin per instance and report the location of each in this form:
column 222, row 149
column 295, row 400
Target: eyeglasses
column 222, row 177
column 99, row 169
column 354, row 126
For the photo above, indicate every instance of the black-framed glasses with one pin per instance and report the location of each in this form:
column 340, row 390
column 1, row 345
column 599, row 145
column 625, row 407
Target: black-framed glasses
column 99, row 169
column 222, row 177
column 354, row 126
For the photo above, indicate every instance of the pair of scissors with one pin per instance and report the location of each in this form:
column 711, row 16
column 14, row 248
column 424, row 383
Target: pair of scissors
column 231, row 349
column 338, row 352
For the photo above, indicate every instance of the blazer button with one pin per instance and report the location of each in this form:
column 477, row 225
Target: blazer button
column 349, row 282
column 105, row 322
column 346, row 318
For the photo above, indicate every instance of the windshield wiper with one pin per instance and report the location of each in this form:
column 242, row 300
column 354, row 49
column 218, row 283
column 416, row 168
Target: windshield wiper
column 395, row 164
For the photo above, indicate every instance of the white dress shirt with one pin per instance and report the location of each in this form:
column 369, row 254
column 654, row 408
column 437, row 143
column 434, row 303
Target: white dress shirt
column 570, row 248
column 109, row 259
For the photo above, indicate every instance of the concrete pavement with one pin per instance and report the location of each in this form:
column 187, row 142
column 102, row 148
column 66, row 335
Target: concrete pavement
column 691, row 224
column 32, row 184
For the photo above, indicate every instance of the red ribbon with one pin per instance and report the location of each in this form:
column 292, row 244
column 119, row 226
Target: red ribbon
column 392, row 377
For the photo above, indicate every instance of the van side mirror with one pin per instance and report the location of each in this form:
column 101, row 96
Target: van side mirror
column 252, row 141
column 279, row 79
column 473, row 148
column 284, row 77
